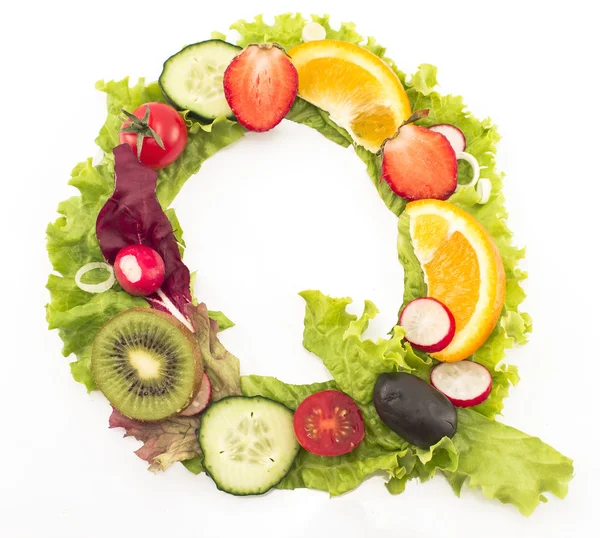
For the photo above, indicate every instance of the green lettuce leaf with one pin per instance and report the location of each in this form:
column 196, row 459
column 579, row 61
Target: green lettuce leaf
column 507, row 464
column 71, row 239
column 306, row 114
column 222, row 320
column 340, row 474
column 284, row 393
column 419, row 464
column 394, row 203
column 423, row 464
column 425, row 79
column 194, row 465
column 177, row 230
column 333, row 334
column 286, row 30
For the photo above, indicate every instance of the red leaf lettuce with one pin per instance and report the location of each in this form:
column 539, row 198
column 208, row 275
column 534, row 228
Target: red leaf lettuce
column 165, row 442
column 133, row 215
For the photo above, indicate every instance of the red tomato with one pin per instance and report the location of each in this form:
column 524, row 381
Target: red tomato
column 329, row 423
column 167, row 124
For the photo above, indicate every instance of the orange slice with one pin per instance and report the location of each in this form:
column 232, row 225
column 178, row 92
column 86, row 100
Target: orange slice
column 359, row 90
column 462, row 268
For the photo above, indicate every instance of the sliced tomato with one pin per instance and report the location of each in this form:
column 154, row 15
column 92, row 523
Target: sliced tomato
column 329, row 423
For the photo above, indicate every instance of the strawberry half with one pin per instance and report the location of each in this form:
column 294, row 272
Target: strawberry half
column 261, row 84
column 419, row 163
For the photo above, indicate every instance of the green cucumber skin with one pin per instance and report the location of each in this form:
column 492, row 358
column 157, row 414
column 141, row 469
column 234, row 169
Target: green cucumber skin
column 207, row 471
column 199, row 117
column 235, row 494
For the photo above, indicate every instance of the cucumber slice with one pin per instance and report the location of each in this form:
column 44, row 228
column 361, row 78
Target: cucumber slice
column 248, row 444
column 192, row 79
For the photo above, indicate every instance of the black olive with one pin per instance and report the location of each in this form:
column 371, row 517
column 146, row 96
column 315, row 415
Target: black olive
column 412, row 408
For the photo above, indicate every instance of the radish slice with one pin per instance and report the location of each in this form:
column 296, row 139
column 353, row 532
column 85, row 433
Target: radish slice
column 101, row 287
column 474, row 165
column 454, row 135
column 464, row 383
column 428, row 323
column 202, row 399
column 313, row 31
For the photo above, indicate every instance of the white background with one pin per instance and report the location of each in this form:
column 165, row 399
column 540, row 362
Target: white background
column 279, row 213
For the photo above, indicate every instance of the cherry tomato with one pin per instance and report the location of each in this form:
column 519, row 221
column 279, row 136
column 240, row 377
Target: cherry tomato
column 139, row 269
column 167, row 124
column 329, row 423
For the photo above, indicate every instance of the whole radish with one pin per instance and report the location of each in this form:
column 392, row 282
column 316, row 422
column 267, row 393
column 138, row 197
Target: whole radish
column 139, row 270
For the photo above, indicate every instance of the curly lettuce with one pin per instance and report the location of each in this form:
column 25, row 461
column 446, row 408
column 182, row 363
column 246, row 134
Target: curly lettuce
column 507, row 464
column 503, row 462
column 333, row 334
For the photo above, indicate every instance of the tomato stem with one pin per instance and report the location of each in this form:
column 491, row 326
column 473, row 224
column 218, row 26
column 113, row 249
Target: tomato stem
column 141, row 128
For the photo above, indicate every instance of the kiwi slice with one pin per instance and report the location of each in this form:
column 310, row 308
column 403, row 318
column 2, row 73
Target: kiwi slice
column 147, row 364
